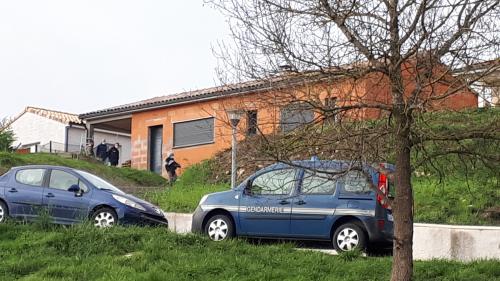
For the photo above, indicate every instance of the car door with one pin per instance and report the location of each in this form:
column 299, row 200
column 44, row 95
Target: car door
column 63, row 205
column 265, row 205
column 314, row 205
column 24, row 192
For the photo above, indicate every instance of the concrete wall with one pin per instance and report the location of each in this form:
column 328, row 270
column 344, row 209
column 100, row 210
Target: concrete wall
column 30, row 128
column 464, row 243
column 179, row 223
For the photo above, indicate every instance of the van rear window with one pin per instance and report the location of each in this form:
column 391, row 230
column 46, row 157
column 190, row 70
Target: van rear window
column 355, row 182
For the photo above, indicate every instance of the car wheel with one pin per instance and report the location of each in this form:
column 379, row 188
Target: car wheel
column 219, row 227
column 3, row 212
column 104, row 217
column 348, row 237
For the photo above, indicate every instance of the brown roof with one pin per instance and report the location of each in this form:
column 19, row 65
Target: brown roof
column 288, row 80
column 58, row 116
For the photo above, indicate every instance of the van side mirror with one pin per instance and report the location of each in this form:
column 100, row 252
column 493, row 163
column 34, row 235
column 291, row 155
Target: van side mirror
column 248, row 188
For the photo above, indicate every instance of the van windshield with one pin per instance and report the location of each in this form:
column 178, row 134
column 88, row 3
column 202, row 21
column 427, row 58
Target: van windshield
column 100, row 183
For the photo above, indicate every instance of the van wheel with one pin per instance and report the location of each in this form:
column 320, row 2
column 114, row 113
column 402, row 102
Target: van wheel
column 348, row 237
column 219, row 227
column 104, row 217
column 4, row 212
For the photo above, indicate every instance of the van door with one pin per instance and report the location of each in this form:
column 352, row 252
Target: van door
column 313, row 208
column 355, row 195
column 265, row 206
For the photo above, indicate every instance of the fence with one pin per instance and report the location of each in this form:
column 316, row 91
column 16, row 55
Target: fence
column 57, row 147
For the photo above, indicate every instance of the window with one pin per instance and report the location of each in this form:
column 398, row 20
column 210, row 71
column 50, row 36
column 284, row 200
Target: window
column 63, row 180
column 318, row 183
column 295, row 115
column 194, row 132
column 355, row 182
column 30, row 177
column 330, row 104
column 251, row 122
column 279, row 182
column 100, row 183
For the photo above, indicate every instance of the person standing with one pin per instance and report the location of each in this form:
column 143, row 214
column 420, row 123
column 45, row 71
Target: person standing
column 114, row 155
column 171, row 165
column 102, row 151
column 89, row 148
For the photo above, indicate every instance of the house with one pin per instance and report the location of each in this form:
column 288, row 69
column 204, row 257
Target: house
column 44, row 130
column 487, row 77
column 194, row 125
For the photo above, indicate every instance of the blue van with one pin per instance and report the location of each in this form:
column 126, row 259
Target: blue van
column 313, row 200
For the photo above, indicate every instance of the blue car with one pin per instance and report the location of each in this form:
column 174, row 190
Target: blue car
column 71, row 196
column 308, row 200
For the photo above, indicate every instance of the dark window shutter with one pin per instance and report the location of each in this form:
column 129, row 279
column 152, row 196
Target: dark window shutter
column 295, row 115
column 194, row 132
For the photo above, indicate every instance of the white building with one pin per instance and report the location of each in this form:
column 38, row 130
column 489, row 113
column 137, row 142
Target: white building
column 43, row 130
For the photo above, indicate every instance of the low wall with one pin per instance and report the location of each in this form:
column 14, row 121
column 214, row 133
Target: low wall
column 430, row 241
column 455, row 242
column 180, row 223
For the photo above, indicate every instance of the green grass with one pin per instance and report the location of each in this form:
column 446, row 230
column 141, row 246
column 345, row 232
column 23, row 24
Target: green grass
column 185, row 194
column 456, row 199
column 118, row 176
column 85, row 253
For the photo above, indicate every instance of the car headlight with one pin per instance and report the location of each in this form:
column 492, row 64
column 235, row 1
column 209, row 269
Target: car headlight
column 128, row 202
column 203, row 199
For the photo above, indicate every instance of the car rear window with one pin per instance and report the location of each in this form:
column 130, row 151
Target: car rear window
column 32, row 177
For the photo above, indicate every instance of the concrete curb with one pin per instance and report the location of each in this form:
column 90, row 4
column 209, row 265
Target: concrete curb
column 179, row 222
column 430, row 241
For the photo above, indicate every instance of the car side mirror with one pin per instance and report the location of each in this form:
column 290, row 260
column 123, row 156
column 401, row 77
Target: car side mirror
column 76, row 189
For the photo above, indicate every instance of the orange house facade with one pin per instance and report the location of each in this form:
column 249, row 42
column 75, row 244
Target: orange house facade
column 194, row 125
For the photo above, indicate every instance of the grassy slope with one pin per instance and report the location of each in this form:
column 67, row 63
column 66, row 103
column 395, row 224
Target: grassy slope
column 185, row 194
column 456, row 200
column 86, row 253
column 118, row 176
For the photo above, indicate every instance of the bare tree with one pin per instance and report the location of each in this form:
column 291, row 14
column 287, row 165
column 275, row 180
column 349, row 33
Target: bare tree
column 407, row 49
column 6, row 134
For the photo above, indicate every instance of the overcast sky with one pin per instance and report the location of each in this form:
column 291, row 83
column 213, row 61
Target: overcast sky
column 79, row 56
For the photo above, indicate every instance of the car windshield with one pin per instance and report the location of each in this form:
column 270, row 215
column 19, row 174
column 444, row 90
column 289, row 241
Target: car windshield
column 100, row 183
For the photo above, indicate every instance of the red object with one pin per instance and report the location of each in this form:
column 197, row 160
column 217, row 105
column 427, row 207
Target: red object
column 382, row 186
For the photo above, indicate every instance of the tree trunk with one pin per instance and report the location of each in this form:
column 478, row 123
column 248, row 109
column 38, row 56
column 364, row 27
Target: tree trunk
column 402, row 268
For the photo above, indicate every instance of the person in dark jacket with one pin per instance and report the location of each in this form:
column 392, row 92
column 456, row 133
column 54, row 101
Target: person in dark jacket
column 171, row 166
column 114, row 155
column 102, row 151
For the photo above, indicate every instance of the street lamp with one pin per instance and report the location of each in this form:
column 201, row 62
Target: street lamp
column 234, row 117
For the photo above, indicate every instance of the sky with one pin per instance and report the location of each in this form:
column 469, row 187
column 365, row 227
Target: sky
column 80, row 56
